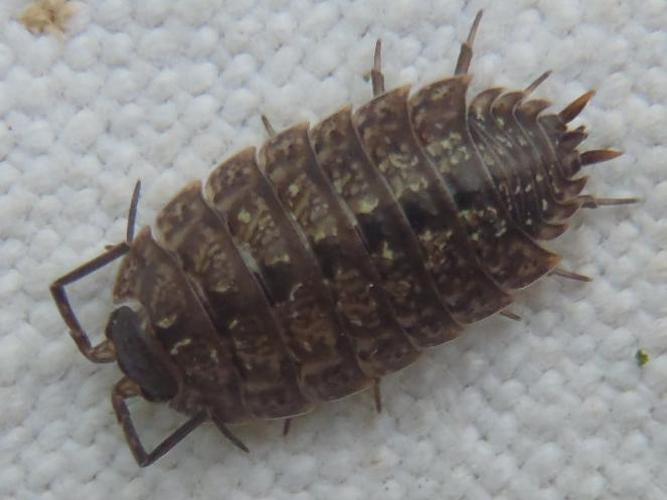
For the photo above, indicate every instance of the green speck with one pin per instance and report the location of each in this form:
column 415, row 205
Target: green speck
column 244, row 216
column 368, row 204
column 642, row 357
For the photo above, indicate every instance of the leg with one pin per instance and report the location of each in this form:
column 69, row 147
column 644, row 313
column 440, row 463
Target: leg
column 465, row 55
column 377, row 78
column 538, row 81
column 564, row 273
column 377, row 396
column 267, row 125
column 126, row 389
column 227, row 433
column 510, row 315
column 132, row 213
column 286, row 426
column 462, row 66
column 589, row 201
column 103, row 352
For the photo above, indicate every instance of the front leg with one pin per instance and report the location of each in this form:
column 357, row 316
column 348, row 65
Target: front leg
column 126, row 389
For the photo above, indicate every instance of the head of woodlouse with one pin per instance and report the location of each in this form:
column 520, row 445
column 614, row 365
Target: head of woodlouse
column 138, row 356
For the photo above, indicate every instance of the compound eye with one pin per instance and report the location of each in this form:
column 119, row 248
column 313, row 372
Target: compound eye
column 138, row 355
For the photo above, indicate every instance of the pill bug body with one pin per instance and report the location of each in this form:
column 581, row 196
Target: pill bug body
column 307, row 270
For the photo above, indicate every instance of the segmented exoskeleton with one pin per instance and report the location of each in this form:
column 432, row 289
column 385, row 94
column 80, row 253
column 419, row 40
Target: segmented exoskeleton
column 306, row 271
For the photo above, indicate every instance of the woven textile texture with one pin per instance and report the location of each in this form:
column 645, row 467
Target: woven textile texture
column 554, row 406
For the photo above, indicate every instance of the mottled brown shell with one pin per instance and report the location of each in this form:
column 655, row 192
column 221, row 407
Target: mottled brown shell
column 307, row 270
column 302, row 272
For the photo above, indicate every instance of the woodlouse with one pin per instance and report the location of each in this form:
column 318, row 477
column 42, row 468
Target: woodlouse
column 310, row 269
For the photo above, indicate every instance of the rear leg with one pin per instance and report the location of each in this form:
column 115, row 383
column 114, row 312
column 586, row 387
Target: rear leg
column 537, row 82
column 466, row 52
column 462, row 64
column 462, row 68
column 377, row 77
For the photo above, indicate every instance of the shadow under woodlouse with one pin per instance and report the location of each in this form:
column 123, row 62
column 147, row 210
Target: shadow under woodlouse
column 306, row 271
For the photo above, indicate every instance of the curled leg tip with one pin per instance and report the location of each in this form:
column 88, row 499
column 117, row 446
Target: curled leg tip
column 593, row 202
column 377, row 54
column 564, row 273
column 377, row 396
column 377, row 78
column 475, row 26
column 538, row 81
column 286, row 426
column 132, row 213
column 510, row 315
column 465, row 54
column 267, row 125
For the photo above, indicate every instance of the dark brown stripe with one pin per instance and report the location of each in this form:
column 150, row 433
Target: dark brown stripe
column 236, row 303
column 439, row 118
column 386, row 132
column 386, row 232
column 303, row 305
column 380, row 344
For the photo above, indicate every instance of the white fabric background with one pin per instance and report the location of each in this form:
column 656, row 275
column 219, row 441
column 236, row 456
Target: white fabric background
column 552, row 407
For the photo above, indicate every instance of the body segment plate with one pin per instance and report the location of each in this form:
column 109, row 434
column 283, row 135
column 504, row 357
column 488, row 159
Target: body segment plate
column 386, row 132
column 236, row 303
column 327, row 366
column 390, row 242
column 550, row 207
column 494, row 128
column 555, row 209
column 438, row 114
column 379, row 342
column 210, row 378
